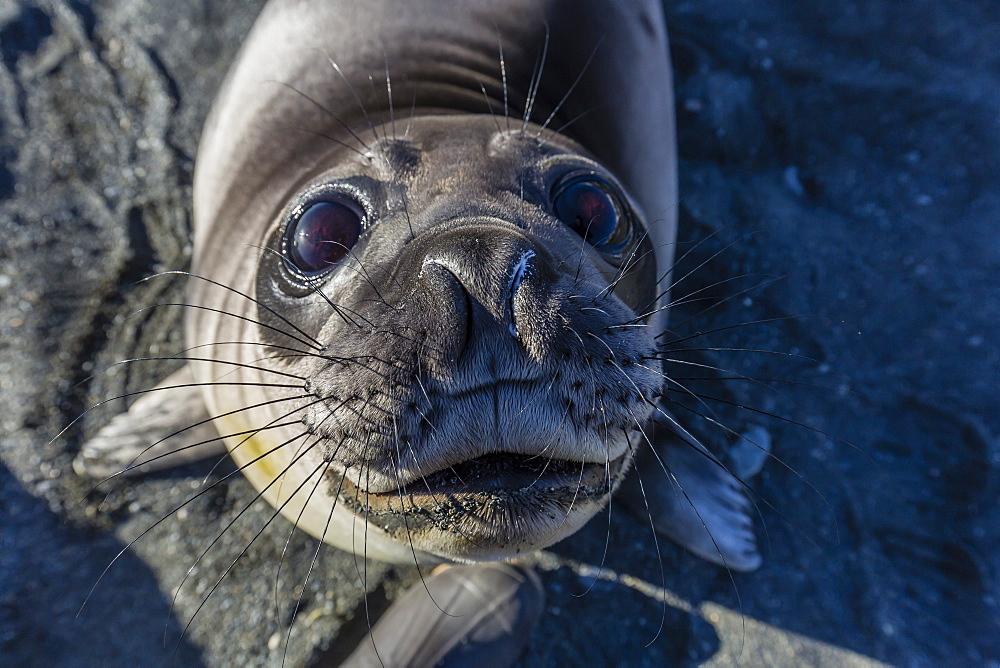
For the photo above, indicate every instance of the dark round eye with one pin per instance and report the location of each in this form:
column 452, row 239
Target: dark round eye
column 590, row 207
column 321, row 236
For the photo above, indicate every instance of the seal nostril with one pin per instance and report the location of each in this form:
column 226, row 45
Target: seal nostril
column 521, row 269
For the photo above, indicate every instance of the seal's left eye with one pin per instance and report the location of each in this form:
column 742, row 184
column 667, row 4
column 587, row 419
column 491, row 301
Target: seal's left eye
column 591, row 208
column 322, row 235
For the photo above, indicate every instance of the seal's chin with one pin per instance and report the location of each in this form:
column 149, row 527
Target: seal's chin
column 495, row 506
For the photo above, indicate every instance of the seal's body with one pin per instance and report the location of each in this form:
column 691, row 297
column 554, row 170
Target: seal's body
column 432, row 243
column 424, row 357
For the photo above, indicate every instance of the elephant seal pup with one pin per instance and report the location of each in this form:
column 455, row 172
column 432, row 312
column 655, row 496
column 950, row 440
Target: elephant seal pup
column 431, row 243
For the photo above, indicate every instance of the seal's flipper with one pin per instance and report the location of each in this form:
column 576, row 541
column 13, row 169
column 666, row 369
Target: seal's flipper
column 475, row 615
column 699, row 505
column 164, row 417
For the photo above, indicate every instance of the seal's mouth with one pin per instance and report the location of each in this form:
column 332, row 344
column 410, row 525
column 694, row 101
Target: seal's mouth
column 498, row 472
column 491, row 504
column 492, row 474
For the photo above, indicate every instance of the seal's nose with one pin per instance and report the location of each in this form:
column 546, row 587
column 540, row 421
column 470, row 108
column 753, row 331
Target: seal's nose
column 499, row 282
column 493, row 263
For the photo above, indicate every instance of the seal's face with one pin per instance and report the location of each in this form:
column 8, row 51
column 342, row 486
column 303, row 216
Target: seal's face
column 481, row 381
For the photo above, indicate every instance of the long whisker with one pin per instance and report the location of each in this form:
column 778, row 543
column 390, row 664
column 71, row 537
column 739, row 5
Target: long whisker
column 312, row 563
column 722, row 557
column 167, row 387
column 406, row 523
column 572, row 87
column 197, row 359
column 241, row 294
column 736, row 295
column 240, row 444
column 503, row 76
column 680, row 280
column 354, row 92
column 489, row 106
column 164, row 518
column 322, row 135
column 652, row 529
column 315, row 346
column 583, row 114
column 689, row 298
column 753, row 494
column 388, row 92
column 132, row 465
column 536, row 81
column 327, row 111
column 315, row 286
column 728, row 327
column 611, row 497
column 628, row 265
column 245, row 549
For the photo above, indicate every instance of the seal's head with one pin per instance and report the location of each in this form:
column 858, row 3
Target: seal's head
column 474, row 290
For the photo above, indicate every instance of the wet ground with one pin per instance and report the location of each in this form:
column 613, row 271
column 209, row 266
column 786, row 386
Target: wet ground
column 843, row 157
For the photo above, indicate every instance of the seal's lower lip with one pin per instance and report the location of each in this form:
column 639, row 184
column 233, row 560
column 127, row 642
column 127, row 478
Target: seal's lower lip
column 492, row 507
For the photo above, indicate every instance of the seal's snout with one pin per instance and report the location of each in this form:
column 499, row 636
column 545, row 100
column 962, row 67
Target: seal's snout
column 502, row 275
column 495, row 380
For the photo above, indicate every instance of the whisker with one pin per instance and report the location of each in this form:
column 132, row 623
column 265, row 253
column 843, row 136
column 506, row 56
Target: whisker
column 628, row 265
column 689, row 299
column 677, row 262
column 241, row 294
column 354, row 92
column 374, row 90
column 754, row 494
column 675, row 381
column 158, row 389
column 315, row 288
column 194, row 359
column 413, row 111
column 753, row 288
column 312, row 563
column 572, row 87
column 316, row 346
column 164, row 518
column 728, row 327
column 388, row 92
column 652, row 529
column 536, row 81
column 787, row 420
column 322, row 135
column 238, row 445
column 567, row 124
column 687, row 498
column 489, row 105
column 257, row 535
column 503, row 75
column 611, row 497
column 406, row 523
column 132, row 465
column 739, row 350
column 329, row 113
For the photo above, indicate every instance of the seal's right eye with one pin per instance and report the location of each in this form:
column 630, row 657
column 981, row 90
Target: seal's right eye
column 321, row 235
column 591, row 207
